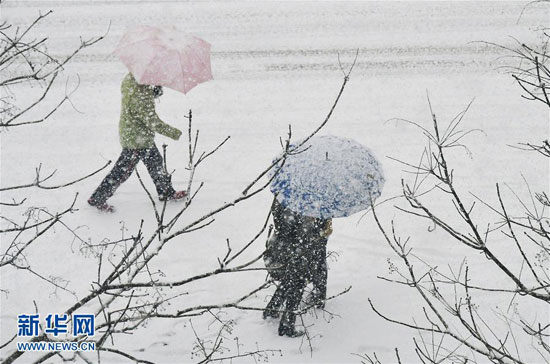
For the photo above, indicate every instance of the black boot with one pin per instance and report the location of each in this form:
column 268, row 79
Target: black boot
column 290, row 332
column 287, row 326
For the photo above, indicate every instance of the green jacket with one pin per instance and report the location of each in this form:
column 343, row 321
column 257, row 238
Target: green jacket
column 138, row 120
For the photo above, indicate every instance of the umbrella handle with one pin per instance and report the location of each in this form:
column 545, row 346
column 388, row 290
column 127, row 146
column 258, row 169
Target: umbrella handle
column 164, row 165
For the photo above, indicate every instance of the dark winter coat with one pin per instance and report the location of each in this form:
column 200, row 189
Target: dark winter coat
column 138, row 120
column 295, row 242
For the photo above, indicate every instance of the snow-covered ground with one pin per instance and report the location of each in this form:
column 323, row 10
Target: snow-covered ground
column 275, row 64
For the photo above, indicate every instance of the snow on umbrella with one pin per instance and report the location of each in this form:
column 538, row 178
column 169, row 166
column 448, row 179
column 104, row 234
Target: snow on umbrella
column 165, row 57
column 332, row 177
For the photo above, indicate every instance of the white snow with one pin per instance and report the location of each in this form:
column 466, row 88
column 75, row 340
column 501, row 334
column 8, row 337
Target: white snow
column 275, row 64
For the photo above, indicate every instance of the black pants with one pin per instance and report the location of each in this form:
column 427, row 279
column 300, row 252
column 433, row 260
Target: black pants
column 319, row 269
column 123, row 169
column 308, row 263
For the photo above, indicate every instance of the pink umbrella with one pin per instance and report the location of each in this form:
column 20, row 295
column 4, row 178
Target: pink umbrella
column 165, row 57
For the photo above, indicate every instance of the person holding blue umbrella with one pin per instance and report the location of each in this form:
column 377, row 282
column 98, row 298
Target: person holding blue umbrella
column 295, row 254
column 327, row 177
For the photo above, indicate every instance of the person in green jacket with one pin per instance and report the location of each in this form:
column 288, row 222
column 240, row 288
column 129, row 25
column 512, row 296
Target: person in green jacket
column 137, row 128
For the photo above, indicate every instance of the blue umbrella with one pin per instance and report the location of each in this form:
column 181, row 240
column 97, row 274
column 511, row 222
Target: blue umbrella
column 331, row 177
